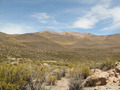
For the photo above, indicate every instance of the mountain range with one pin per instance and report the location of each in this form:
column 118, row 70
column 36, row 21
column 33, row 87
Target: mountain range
column 82, row 40
column 51, row 43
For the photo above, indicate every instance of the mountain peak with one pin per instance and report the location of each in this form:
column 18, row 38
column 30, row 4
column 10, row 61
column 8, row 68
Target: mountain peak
column 47, row 32
column 77, row 34
column 67, row 32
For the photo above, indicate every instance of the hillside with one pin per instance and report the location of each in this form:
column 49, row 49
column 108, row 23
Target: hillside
column 59, row 61
column 84, row 40
column 68, row 45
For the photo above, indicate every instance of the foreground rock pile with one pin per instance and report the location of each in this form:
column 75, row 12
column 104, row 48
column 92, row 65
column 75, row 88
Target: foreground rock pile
column 98, row 80
column 109, row 79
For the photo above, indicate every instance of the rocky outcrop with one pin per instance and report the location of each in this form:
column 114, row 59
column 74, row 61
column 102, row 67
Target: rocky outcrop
column 117, row 67
column 99, row 77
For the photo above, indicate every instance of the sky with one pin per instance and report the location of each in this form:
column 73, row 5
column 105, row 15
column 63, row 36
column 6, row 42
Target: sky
column 100, row 17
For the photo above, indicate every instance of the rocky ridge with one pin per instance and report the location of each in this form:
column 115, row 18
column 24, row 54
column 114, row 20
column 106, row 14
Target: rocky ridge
column 104, row 80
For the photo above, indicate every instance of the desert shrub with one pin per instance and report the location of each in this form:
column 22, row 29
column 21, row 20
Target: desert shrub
column 58, row 75
column 21, row 77
column 85, row 71
column 77, row 75
column 61, row 73
column 107, row 65
column 51, row 80
column 75, row 82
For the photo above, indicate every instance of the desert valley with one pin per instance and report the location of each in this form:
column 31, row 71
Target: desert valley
column 69, row 60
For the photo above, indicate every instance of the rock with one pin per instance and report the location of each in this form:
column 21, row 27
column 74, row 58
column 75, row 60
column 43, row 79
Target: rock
column 117, row 64
column 96, row 70
column 15, row 62
column 115, row 80
column 117, row 67
column 63, row 72
column 111, row 72
column 96, row 88
column 106, row 80
column 45, row 64
column 117, row 75
column 97, row 79
column 111, row 80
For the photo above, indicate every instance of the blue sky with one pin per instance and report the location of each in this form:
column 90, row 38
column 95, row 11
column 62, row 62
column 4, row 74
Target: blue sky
column 101, row 17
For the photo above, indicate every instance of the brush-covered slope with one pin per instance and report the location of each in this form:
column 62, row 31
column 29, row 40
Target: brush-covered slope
column 26, row 45
column 82, row 40
column 48, row 45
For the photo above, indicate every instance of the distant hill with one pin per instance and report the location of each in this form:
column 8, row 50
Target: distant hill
column 57, row 45
column 82, row 40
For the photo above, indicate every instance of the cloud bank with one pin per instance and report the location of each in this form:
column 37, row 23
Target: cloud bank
column 44, row 18
column 14, row 28
column 98, row 13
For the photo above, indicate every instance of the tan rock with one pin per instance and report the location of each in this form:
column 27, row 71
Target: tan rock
column 108, row 79
column 45, row 64
column 96, row 70
column 96, row 88
column 97, row 79
column 112, row 80
column 117, row 67
column 115, row 80
column 117, row 64
column 111, row 72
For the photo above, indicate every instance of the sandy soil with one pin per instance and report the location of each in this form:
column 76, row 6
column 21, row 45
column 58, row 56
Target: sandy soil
column 61, row 85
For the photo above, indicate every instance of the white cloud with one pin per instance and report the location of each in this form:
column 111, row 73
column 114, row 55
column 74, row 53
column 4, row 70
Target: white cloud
column 85, row 23
column 41, row 15
column 99, row 13
column 44, row 18
column 112, row 27
column 14, row 28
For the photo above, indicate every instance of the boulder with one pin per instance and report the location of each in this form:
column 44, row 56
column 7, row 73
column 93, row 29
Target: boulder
column 96, row 70
column 97, row 79
column 96, row 88
column 106, row 78
column 111, row 72
column 112, row 80
column 45, row 64
column 117, row 64
column 117, row 67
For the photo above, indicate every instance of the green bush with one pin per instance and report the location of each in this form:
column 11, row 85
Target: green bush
column 77, row 75
column 83, row 70
column 51, row 80
column 107, row 65
column 22, row 76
